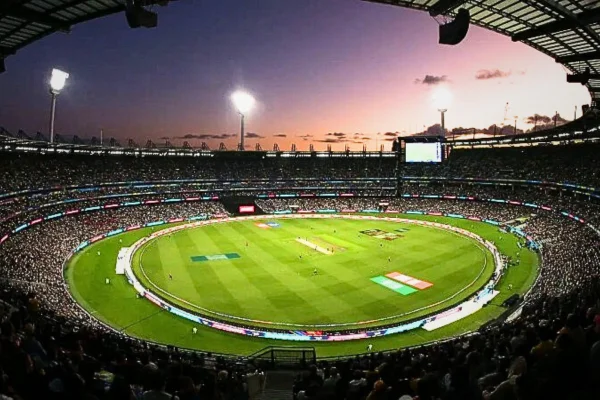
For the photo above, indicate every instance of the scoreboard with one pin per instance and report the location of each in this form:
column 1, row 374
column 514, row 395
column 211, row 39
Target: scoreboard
column 246, row 209
column 422, row 149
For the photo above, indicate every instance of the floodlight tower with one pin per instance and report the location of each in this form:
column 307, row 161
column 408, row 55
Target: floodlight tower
column 442, row 114
column 243, row 102
column 441, row 100
column 57, row 83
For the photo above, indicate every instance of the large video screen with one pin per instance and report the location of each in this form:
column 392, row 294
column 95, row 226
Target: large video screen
column 424, row 152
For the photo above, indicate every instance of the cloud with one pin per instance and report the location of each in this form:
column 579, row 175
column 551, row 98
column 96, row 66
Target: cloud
column 330, row 140
column 544, row 121
column 394, row 134
column 336, row 134
column 280, row 135
column 538, row 119
column 252, row 135
column 190, row 136
column 164, row 138
column 433, row 130
column 485, row 74
column 205, row 136
column 432, row 80
column 391, row 139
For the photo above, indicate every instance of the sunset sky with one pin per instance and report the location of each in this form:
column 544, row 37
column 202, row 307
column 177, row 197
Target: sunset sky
column 316, row 67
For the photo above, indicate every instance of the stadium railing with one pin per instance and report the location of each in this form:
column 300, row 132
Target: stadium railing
column 284, row 356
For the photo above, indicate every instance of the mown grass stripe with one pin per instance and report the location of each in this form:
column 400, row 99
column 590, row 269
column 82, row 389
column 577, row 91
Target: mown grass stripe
column 291, row 300
column 225, row 297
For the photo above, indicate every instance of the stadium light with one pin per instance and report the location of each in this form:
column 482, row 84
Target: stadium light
column 441, row 100
column 243, row 102
column 57, row 83
column 442, row 97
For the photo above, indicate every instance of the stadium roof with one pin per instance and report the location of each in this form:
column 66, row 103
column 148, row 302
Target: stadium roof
column 25, row 21
column 567, row 30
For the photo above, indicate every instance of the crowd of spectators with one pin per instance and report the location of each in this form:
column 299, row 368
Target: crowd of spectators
column 18, row 217
column 312, row 204
column 21, row 171
column 46, row 356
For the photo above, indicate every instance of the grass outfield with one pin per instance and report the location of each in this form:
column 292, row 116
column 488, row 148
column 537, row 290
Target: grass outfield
column 117, row 305
column 271, row 282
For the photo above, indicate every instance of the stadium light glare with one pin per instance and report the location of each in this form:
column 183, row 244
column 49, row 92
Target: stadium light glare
column 243, row 102
column 58, row 81
column 442, row 97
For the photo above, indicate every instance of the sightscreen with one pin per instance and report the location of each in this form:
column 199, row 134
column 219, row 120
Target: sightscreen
column 424, row 152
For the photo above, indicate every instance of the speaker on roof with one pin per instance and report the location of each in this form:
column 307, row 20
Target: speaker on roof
column 454, row 32
column 138, row 16
column 582, row 78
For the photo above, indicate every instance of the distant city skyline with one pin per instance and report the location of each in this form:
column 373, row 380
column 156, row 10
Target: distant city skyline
column 334, row 72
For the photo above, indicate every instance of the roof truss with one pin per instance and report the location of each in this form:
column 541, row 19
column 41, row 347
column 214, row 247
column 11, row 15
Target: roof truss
column 25, row 21
column 580, row 20
column 443, row 6
column 21, row 11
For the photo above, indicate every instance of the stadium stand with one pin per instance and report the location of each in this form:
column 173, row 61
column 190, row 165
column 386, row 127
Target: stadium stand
column 52, row 349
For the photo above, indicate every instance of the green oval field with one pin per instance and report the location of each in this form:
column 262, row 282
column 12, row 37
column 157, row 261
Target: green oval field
column 267, row 281
column 322, row 274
